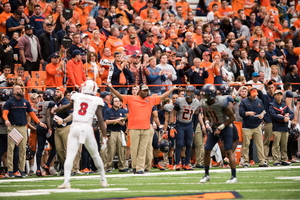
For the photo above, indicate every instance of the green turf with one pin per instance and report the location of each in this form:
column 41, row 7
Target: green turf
column 251, row 185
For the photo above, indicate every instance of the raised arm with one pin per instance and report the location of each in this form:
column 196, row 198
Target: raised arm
column 115, row 92
column 168, row 93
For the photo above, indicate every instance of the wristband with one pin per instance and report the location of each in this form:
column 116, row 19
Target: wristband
column 221, row 127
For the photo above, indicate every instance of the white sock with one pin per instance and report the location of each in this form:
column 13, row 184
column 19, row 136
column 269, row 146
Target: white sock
column 52, row 168
column 31, row 167
column 127, row 166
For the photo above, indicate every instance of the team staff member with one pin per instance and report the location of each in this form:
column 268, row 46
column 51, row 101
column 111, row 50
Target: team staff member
column 252, row 126
column 280, row 114
column 140, row 108
column 54, row 71
column 267, row 99
column 14, row 114
column 61, row 132
column 113, row 119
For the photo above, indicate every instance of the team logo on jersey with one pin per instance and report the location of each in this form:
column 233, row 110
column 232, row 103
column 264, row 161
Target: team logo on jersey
column 24, row 104
column 258, row 105
column 184, row 106
column 120, row 114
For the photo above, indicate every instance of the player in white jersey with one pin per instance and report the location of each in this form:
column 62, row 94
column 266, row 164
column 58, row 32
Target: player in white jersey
column 85, row 105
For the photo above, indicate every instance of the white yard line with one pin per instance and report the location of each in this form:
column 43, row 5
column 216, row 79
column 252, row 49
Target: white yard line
column 149, row 174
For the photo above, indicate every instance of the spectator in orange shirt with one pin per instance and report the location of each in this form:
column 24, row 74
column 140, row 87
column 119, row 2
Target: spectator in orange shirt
column 185, row 8
column 225, row 11
column 208, row 67
column 151, row 16
column 84, row 10
column 54, row 71
column 212, row 3
column 59, row 11
column 143, row 13
column 198, row 35
column 106, row 55
column 125, row 12
column 76, row 17
column 126, row 41
column 114, row 41
column 138, row 4
column 4, row 16
column 76, row 75
column 97, row 44
column 93, row 68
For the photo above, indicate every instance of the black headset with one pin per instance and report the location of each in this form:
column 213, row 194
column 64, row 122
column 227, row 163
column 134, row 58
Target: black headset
column 112, row 100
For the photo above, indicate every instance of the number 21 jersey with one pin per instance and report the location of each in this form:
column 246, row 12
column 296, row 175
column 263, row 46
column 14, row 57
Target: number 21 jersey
column 84, row 107
column 186, row 110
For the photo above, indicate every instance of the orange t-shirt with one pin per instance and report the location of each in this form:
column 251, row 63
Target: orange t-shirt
column 297, row 23
column 137, row 5
column 83, row 13
column 153, row 21
column 113, row 43
column 143, row 14
column 252, row 38
column 168, row 42
column 54, row 77
column 212, row 3
column 98, row 48
column 125, row 18
column 140, row 110
column 248, row 10
column 76, row 17
column 267, row 32
column 198, row 39
column 224, row 12
column 3, row 18
column 237, row 5
column 210, row 71
column 90, row 70
column 265, row 3
column 185, row 8
column 55, row 16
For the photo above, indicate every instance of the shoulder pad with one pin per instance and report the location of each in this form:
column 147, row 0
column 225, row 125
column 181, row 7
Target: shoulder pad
column 289, row 94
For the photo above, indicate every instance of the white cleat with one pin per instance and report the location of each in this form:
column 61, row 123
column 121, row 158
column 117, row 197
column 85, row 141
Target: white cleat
column 65, row 186
column 104, row 184
column 232, row 180
column 205, row 179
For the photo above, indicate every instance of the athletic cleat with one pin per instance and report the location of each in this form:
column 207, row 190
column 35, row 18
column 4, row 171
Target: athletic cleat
column 23, row 175
column 123, row 170
column 53, row 172
column 104, row 184
column 205, row 179
column 293, row 161
column 232, row 180
column 2, row 176
column 245, row 166
column 170, row 167
column 39, row 173
column 252, row 163
column 10, row 174
column 158, row 166
column 199, row 166
column 17, row 174
column 215, row 164
column 108, row 171
column 276, row 164
column 188, row 167
column 140, row 172
column 64, row 186
column 226, row 161
column 178, row 167
column 285, row 163
column 47, row 170
column 182, row 166
column 264, row 165
column 30, row 173
column 85, row 171
column 226, row 166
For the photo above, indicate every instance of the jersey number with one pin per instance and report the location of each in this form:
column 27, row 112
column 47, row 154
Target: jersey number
column 187, row 112
column 212, row 114
column 83, row 107
column 40, row 109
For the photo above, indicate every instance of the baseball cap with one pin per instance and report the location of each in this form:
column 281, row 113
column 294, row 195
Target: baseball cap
column 144, row 87
column 104, row 94
column 10, row 76
column 120, row 49
column 33, row 96
column 49, row 24
column 81, row 2
column 255, row 74
column 278, row 91
column 5, row 36
column 101, row 8
column 55, row 54
column 244, row 88
column 163, row 2
column 173, row 53
column 149, row 34
column 28, row 26
column 150, row 1
column 174, row 36
column 277, row 40
column 61, row 88
column 159, row 35
column 78, row 24
column 206, row 53
column 131, row 36
column 215, row 29
column 253, row 91
column 135, row 55
column 77, row 52
column 84, row 35
column 254, row 40
column 217, row 13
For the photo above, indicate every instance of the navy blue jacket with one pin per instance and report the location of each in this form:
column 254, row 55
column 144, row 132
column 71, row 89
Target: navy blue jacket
column 197, row 77
column 116, row 75
column 275, row 111
column 267, row 99
column 64, row 115
column 247, row 105
column 180, row 73
column 17, row 111
column 112, row 114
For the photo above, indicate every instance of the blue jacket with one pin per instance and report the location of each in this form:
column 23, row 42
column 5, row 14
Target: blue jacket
column 275, row 111
column 116, row 75
column 267, row 99
column 247, row 105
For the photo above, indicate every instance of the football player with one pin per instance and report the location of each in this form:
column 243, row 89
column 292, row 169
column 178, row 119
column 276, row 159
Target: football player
column 183, row 110
column 45, row 116
column 85, row 105
column 217, row 112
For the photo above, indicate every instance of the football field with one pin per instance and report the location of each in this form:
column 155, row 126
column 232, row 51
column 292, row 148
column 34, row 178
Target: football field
column 253, row 183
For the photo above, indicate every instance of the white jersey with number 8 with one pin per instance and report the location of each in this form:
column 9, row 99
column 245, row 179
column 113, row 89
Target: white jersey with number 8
column 84, row 107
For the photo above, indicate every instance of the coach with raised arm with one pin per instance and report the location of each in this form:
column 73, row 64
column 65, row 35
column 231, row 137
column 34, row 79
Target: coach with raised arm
column 14, row 114
column 140, row 109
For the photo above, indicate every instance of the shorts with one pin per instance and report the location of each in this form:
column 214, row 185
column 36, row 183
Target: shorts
column 155, row 144
column 226, row 135
column 239, row 127
column 32, row 140
column 184, row 136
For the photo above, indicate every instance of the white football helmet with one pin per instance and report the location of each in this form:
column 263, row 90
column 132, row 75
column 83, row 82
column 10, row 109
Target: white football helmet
column 89, row 87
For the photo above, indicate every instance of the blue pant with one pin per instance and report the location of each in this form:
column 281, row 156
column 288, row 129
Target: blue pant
column 155, row 144
column 41, row 138
column 184, row 137
column 226, row 136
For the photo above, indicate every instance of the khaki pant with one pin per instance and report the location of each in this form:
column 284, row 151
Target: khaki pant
column 282, row 138
column 138, row 144
column 61, row 138
column 76, row 161
column 103, row 152
column 115, row 143
column 267, row 139
column 256, row 134
column 149, row 150
column 22, row 148
column 199, row 146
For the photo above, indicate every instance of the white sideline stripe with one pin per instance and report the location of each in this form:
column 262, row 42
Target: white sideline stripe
column 150, row 174
column 295, row 178
column 49, row 191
